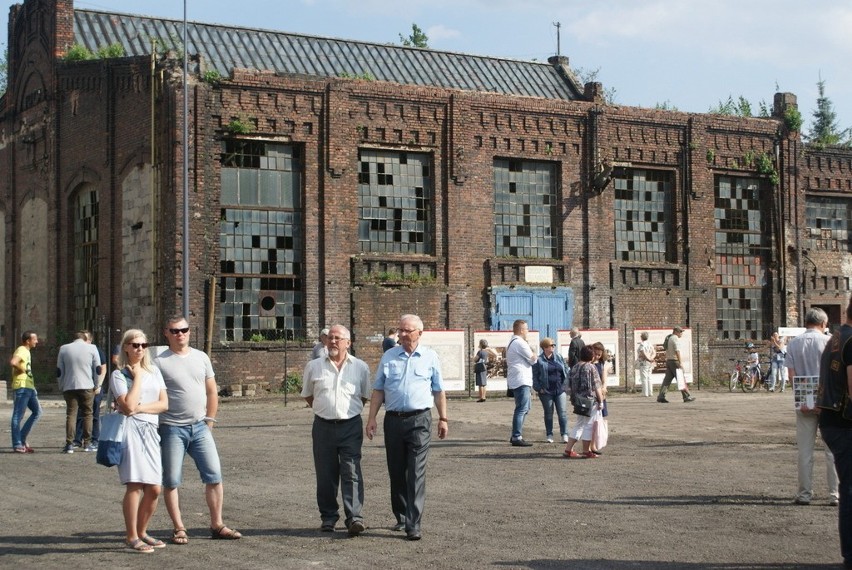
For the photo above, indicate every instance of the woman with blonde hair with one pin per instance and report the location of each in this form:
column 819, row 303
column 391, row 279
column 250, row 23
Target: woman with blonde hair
column 140, row 394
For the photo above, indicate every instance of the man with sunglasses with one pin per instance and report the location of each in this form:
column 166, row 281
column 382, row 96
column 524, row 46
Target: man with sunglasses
column 186, row 428
column 78, row 368
column 337, row 387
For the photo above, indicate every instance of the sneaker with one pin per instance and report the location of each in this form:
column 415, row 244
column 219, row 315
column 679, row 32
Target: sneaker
column 803, row 502
column 356, row 527
column 833, row 502
column 520, row 442
column 327, row 527
column 689, row 399
column 90, row 448
column 68, row 448
column 549, row 439
column 662, row 401
column 565, row 438
column 76, row 444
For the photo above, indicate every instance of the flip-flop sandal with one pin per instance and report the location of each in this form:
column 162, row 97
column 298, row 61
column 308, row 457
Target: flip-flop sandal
column 224, row 533
column 138, row 545
column 179, row 536
column 151, row 541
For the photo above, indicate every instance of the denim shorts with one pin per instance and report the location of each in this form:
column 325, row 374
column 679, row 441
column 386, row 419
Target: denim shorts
column 196, row 440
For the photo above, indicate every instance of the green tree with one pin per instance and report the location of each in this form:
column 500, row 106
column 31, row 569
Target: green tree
column 4, row 72
column 591, row 76
column 418, row 38
column 739, row 107
column 824, row 131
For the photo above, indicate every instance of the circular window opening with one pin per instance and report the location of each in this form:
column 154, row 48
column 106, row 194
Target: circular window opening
column 267, row 303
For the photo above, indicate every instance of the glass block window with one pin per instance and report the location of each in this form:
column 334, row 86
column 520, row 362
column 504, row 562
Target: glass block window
column 526, row 212
column 742, row 255
column 85, row 212
column 828, row 221
column 395, row 195
column 261, row 293
column 643, row 214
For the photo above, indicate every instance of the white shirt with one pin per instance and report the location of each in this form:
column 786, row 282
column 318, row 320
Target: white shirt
column 337, row 393
column 519, row 359
column 805, row 351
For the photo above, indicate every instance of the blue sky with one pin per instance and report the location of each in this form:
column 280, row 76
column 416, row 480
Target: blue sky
column 689, row 53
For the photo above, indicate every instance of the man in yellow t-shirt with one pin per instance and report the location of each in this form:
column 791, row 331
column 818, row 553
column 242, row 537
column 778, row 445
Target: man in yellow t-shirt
column 23, row 387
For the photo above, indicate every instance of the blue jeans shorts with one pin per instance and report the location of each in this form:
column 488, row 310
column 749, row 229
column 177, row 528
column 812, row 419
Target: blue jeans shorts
column 195, row 440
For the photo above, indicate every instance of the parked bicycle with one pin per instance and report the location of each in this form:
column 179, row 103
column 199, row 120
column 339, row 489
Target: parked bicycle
column 747, row 376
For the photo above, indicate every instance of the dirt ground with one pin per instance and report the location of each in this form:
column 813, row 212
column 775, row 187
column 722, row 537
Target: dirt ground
column 702, row 485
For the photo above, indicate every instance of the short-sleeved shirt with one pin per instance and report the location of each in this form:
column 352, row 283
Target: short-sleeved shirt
column 24, row 379
column 804, row 353
column 409, row 380
column 186, row 377
column 337, row 393
column 518, row 365
column 152, row 385
column 672, row 347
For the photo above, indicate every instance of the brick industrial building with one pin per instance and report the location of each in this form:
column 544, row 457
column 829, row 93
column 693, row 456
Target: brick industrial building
column 340, row 181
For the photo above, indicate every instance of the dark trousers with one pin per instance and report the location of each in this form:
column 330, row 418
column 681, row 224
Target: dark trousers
column 78, row 400
column 337, row 462
column 839, row 441
column 407, row 448
column 671, row 373
column 96, row 421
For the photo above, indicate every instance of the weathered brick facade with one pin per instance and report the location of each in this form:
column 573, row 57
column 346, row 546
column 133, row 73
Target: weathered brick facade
column 115, row 127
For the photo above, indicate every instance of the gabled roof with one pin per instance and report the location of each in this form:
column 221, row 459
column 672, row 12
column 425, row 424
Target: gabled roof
column 224, row 48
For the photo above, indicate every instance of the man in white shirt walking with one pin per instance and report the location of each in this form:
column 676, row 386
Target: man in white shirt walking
column 519, row 360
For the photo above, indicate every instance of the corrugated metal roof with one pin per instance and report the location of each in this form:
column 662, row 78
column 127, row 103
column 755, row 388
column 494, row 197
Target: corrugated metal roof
column 225, row 47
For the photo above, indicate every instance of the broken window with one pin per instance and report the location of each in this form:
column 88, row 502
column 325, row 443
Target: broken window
column 85, row 211
column 828, row 221
column 742, row 255
column 395, row 202
column 260, row 242
column 526, row 213
column 643, row 214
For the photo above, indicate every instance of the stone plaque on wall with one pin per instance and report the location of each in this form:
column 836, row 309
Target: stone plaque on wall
column 538, row 274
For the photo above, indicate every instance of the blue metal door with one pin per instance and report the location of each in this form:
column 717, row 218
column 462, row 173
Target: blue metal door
column 546, row 311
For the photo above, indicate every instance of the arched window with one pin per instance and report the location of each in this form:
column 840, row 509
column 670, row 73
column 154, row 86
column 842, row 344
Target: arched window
column 85, row 252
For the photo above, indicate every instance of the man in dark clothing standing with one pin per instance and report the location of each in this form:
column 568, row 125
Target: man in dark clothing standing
column 575, row 347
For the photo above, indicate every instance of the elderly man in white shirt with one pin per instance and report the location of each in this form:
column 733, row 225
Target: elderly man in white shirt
column 519, row 360
column 337, row 386
column 803, row 359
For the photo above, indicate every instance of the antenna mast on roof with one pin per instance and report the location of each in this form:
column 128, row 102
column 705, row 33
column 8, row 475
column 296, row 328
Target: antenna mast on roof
column 558, row 25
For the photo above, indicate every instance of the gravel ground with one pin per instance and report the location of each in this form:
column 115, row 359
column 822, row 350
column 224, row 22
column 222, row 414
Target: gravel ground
column 702, row 485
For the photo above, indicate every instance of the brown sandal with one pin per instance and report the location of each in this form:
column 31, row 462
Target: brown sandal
column 179, row 536
column 224, row 533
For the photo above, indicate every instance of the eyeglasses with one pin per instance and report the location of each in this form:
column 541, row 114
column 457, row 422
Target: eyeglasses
column 336, row 338
column 138, row 344
column 177, row 331
column 408, row 331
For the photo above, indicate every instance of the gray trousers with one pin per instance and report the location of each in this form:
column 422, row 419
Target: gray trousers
column 337, row 461
column 407, row 447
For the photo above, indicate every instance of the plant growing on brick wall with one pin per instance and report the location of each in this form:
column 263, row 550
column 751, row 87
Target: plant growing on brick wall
column 766, row 166
column 211, row 76
column 239, row 127
column 711, row 156
column 793, row 119
column 395, row 277
column 365, row 76
column 79, row 52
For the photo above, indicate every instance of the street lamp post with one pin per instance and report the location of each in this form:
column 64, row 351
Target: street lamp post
column 185, row 258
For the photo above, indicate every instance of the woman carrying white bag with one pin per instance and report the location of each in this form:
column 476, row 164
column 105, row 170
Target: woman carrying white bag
column 140, row 394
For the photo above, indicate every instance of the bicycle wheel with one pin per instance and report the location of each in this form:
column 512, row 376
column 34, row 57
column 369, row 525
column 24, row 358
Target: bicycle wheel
column 749, row 381
column 735, row 377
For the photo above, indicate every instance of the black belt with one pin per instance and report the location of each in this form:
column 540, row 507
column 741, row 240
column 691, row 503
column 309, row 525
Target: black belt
column 406, row 414
column 336, row 421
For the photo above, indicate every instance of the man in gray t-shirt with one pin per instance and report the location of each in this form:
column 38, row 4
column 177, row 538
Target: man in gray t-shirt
column 187, row 428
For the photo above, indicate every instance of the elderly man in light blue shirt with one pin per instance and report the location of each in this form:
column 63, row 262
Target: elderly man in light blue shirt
column 408, row 382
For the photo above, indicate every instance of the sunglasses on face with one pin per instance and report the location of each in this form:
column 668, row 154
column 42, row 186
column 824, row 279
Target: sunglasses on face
column 138, row 344
column 178, row 331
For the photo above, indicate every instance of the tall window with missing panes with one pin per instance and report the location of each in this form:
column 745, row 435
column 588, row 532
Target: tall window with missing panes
column 261, row 246
column 526, row 214
column 828, row 222
column 742, row 256
column 85, row 212
column 395, row 196
column 643, row 215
